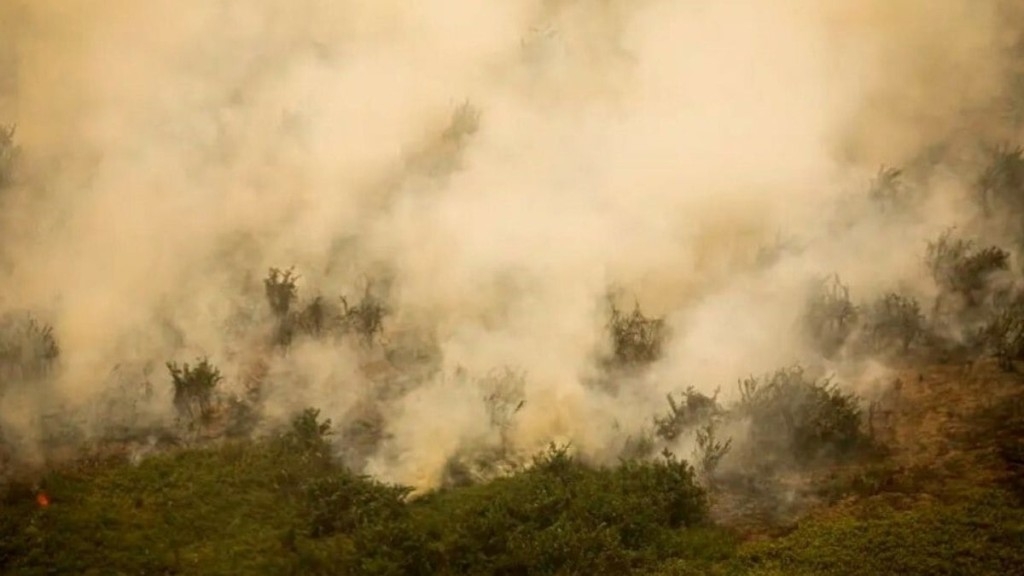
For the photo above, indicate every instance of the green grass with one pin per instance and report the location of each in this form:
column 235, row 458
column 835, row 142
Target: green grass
column 977, row 533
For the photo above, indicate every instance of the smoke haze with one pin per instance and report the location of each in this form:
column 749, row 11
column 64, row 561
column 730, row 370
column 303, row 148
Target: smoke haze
column 501, row 164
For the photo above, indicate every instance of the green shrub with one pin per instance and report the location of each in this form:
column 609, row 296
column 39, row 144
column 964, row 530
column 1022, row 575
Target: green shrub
column 962, row 271
column 308, row 434
column 977, row 534
column 694, row 409
column 344, row 503
column 194, row 387
column 710, row 450
column 793, row 416
column 892, row 321
column 319, row 317
column 561, row 516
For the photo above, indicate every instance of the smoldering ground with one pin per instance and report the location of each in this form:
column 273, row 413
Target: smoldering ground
column 499, row 168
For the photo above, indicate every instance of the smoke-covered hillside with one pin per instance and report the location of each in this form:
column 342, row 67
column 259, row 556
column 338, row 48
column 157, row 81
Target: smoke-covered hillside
column 704, row 243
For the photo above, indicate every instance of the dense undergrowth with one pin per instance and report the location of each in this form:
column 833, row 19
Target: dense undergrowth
column 283, row 506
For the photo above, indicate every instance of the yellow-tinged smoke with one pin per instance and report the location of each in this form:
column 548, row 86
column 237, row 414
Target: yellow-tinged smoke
column 172, row 149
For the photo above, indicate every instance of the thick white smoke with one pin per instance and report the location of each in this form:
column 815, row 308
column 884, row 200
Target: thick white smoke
column 172, row 151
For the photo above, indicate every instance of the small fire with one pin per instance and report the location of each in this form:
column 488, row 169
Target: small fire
column 42, row 499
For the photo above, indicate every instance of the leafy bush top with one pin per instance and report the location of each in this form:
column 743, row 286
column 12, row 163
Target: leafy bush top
column 194, row 387
column 793, row 415
column 961, row 269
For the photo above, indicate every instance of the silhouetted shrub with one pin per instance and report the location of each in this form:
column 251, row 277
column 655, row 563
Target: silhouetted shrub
column 830, row 317
column 366, row 318
column 794, row 416
column 1003, row 334
column 888, row 191
column 1001, row 184
column 710, row 450
column 962, row 271
column 637, row 340
column 892, row 321
column 692, row 410
column 194, row 387
column 281, row 292
column 28, row 348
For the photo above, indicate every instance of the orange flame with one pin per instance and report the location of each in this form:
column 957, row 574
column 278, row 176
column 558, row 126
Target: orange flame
column 42, row 499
